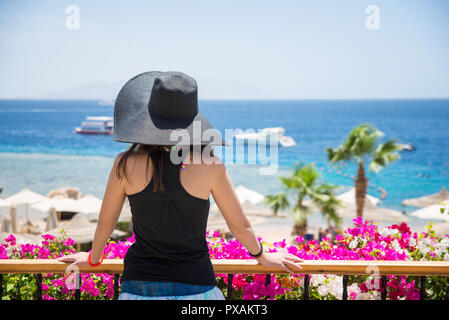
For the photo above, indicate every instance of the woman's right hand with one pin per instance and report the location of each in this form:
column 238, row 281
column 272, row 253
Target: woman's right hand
column 282, row 260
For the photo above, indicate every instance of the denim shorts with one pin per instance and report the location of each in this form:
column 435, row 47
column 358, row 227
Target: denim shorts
column 167, row 290
column 212, row 294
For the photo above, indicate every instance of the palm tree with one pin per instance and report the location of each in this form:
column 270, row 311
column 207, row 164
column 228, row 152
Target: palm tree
column 277, row 202
column 361, row 146
column 304, row 181
column 329, row 207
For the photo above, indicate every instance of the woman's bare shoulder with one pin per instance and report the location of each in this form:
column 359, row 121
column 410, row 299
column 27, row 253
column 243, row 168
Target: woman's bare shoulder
column 214, row 165
column 132, row 157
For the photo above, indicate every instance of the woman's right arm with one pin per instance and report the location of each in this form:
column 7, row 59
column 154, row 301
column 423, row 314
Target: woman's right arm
column 229, row 205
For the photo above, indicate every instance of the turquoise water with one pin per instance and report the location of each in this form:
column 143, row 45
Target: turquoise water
column 39, row 151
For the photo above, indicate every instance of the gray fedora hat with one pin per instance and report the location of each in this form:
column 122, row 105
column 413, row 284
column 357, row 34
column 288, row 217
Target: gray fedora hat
column 161, row 108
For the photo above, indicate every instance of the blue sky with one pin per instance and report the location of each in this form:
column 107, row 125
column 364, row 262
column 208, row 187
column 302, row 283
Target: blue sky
column 250, row 49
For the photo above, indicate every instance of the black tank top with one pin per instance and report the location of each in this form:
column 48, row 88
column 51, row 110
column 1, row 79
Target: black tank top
column 170, row 233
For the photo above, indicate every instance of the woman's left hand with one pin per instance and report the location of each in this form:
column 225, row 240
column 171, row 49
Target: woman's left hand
column 79, row 259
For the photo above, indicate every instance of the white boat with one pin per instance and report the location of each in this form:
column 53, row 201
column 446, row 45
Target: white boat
column 407, row 147
column 96, row 125
column 106, row 102
column 287, row 141
column 264, row 136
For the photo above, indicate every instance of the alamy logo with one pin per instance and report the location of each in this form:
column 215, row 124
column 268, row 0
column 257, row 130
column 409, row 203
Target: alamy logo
column 261, row 148
column 72, row 21
column 372, row 21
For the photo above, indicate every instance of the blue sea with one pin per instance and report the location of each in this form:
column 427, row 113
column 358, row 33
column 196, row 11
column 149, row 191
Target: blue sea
column 39, row 151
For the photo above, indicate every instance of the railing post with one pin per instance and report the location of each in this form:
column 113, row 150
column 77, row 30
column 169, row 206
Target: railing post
column 1, row 286
column 268, row 279
column 78, row 286
column 39, row 286
column 116, row 281
column 345, row 287
column 422, row 289
column 306, row 286
column 383, row 294
column 230, row 289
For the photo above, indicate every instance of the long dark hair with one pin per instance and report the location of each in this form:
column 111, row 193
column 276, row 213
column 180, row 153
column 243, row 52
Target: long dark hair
column 156, row 153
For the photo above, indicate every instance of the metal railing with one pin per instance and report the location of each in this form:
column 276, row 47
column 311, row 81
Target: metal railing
column 231, row 267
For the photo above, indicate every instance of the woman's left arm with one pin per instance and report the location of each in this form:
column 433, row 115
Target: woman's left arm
column 113, row 199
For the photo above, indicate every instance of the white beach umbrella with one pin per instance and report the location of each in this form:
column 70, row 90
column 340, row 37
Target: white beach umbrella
column 373, row 213
column 216, row 221
column 59, row 203
column 349, row 197
column 125, row 214
column 25, row 196
column 370, row 211
column 428, row 200
column 245, row 194
column 81, row 230
column 4, row 203
column 441, row 229
column 89, row 204
column 431, row 213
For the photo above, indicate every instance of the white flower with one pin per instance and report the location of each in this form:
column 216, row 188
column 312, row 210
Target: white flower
column 317, row 280
column 422, row 246
column 445, row 256
column 353, row 244
column 376, row 295
column 412, row 242
column 387, row 232
column 323, row 290
column 444, row 243
column 395, row 244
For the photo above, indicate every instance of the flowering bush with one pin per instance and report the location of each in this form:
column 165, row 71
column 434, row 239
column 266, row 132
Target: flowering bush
column 362, row 241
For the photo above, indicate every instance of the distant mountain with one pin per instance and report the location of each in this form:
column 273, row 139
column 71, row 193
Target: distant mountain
column 103, row 91
column 209, row 87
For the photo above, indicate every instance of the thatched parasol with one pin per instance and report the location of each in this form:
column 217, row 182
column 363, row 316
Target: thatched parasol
column 59, row 203
column 349, row 198
column 25, row 196
column 81, row 230
column 428, row 200
column 372, row 213
column 67, row 192
column 432, row 212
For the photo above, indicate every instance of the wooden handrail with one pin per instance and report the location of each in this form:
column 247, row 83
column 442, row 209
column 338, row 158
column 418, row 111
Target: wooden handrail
column 228, row 266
